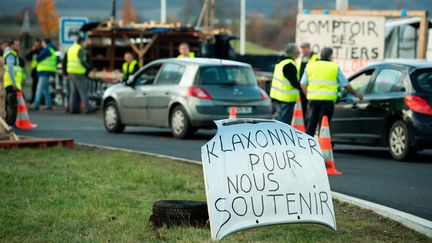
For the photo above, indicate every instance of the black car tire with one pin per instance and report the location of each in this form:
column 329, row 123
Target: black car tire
column 399, row 141
column 179, row 212
column 180, row 123
column 115, row 124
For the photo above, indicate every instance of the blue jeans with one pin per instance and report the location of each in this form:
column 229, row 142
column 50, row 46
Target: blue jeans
column 285, row 111
column 43, row 89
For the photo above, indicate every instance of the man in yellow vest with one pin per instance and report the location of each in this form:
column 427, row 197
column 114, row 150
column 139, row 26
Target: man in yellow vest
column 46, row 69
column 75, row 68
column 4, row 45
column 320, row 83
column 184, row 51
column 130, row 66
column 285, row 87
column 12, row 80
column 31, row 57
column 306, row 56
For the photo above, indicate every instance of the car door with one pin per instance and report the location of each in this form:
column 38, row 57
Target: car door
column 135, row 104
column 162, row 92
column 345, row 125
column 385, row 98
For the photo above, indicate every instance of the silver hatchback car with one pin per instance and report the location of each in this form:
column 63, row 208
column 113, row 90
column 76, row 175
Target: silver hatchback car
column 184, row 94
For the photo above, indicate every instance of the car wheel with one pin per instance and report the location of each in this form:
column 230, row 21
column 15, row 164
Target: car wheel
column 112, row 119
column 179, row 122
column 399, row 141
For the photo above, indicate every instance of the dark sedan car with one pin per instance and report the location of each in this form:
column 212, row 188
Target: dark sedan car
column 396, row 111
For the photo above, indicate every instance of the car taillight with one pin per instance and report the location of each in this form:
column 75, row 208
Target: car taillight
column 418, row 104
column 198, row 93
column 264, row 95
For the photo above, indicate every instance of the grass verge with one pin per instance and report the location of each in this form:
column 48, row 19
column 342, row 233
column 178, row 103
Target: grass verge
column 58, row 194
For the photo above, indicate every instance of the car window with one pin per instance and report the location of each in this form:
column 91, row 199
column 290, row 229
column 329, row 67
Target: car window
column 423, row 78
column 361, row 82
column 226, row 75
column 170, row 74
column 388, row 80
column 148, row 75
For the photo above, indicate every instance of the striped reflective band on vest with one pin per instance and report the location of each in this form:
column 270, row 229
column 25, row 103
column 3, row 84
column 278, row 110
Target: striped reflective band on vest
column 18, row 72
column 129, row 70
column 74, row 65
column 323, row 84
column 49, row 64
column 281, row 88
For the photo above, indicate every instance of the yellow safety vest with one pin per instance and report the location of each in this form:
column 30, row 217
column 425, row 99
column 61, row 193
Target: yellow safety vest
column 322, row 80
column 74, row 65
column 190, row 55
column 49, row 64
column 18, row 71
column 281, row 88
column 313, row 58
column 34, row 61
column 132, row 64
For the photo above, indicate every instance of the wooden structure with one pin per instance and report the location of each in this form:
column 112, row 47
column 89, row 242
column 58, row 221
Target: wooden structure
column 423, row 29
column 108, row 42
column 37, row 143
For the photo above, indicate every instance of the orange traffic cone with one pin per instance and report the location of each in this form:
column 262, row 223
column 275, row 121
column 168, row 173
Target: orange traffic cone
column 232, row 112
column 23, row 121
column 298, row 120
column 326, row 147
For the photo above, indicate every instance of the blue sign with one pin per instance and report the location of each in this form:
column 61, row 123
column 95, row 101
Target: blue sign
column 70, row 29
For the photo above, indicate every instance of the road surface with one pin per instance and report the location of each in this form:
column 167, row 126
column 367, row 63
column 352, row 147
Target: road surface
column 369, row 172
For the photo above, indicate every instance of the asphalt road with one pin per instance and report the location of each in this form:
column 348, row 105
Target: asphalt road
column 369, row 172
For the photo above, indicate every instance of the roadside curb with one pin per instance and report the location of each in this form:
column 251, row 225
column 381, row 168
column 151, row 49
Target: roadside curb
column 411, row 221
column 139, row 152
column 418, row 224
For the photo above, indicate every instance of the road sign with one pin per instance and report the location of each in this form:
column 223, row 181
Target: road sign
column 264, row 172
column 69, row 30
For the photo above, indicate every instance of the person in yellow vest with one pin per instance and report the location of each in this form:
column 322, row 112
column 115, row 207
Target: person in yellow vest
column 130, row 66
column 12, row 80
column 46, row 69
column 285, row 87
column 184, row 51
column 75, row 69
column 31, row 57
column 4, row 45
column 320, row 82
column 306, row 56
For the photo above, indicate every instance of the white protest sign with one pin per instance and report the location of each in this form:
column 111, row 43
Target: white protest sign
column 350, row 37
column 69, row 30
column 264, row 172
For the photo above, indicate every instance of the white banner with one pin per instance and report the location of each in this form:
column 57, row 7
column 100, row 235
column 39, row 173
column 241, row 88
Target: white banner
column 350, row 37
column 264, row 172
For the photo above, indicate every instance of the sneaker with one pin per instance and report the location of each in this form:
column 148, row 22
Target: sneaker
column 34, row 108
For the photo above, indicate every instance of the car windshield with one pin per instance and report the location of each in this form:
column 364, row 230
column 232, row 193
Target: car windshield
column 423, row 78
column 226, row 75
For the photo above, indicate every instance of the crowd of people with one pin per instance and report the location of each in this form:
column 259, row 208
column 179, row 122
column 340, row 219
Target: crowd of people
column 299, row 73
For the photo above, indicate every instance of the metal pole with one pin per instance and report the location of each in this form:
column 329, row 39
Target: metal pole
column 163, row 11
column 113, row 10
column 242, row 27
column 300, row 6
column 342, row 4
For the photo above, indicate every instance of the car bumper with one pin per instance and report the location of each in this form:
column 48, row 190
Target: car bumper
column 203, row 116
column 422, row 131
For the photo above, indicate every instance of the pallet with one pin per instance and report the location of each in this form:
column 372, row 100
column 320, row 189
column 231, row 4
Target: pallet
column 38, row 143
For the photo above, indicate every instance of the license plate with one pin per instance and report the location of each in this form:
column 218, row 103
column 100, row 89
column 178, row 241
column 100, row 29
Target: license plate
column 242, row 110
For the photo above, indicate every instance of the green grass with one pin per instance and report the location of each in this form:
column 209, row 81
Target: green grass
column 61, row 195
column 252, row 48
